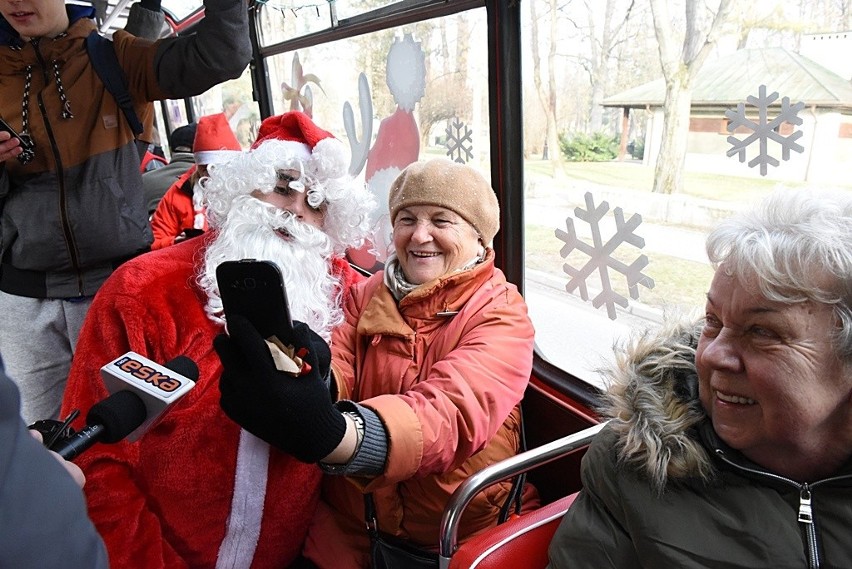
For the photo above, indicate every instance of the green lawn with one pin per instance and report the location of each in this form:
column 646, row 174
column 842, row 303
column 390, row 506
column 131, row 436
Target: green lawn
column 634, row 175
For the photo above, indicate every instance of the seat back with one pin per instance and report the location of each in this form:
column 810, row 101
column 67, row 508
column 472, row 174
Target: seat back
column 519, row 542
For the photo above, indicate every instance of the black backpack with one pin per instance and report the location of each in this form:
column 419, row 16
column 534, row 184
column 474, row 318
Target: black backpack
column 105, row 63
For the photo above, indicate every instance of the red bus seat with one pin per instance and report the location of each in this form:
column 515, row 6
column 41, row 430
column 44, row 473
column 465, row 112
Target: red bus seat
column 519, row 542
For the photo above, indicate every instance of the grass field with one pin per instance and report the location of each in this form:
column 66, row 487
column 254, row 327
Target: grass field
column 632, row 175
column 677, row 282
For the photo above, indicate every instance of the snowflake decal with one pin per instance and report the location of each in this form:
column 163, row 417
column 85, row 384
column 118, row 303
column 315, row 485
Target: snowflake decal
column 765, row 130
column 459, row 142
column 600, row 256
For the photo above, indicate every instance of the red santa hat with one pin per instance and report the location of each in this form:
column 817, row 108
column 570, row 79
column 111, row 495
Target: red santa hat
column 214, row 140
column 305, row 141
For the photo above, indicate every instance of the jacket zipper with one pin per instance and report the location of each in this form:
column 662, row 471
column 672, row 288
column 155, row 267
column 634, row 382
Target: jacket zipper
column 60, row 173
column 806, row 522
column 805, row 514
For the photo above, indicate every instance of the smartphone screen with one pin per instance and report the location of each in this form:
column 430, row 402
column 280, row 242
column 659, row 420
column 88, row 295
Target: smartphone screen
column 255, row 290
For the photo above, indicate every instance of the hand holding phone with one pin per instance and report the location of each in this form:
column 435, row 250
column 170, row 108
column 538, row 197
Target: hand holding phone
column 191, row 232
column 255, row 290
column 24, row 141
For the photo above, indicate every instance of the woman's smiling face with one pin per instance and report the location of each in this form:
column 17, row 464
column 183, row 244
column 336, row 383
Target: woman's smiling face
column 432, row 241
column 769, row 376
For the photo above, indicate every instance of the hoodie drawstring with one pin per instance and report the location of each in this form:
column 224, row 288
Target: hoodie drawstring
column 66, row 105
column 28, row 80
column 25, row 104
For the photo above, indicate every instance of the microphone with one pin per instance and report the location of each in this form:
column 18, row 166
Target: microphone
column 108, row 421
column 159, row 386
column 141, row 390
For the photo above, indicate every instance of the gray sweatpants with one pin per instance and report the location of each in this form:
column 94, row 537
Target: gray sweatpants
column 37, row 339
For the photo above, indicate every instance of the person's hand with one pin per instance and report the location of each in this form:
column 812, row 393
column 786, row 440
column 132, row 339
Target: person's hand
column 9, row 147
column 74, row 470
column 294, row 414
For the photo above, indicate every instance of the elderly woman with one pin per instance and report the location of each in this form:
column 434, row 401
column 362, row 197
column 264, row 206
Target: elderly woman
column 428, row 370
column 730, row 443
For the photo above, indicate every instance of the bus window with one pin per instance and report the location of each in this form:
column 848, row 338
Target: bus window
column 234, row 98
column 279, row 21
column 396, row 96
column 617, row 207
column 180, row 10
column 608, row 231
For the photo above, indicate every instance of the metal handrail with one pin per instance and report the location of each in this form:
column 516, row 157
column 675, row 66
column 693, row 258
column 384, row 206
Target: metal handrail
column 498, row 472
column 114, row 14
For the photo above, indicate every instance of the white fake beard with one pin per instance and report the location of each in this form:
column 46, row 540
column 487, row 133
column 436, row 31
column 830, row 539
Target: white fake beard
column 251, row 230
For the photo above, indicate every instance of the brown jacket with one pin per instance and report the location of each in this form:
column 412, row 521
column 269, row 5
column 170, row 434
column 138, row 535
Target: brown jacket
column 70, row 216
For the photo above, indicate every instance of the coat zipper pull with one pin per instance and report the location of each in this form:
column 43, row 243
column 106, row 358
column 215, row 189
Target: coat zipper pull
column 805, row 511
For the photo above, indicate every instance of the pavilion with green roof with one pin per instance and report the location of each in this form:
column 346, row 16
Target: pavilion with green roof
column 724, row 83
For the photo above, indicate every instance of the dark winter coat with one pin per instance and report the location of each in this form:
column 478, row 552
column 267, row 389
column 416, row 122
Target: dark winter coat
column 43, row 521
column 661, row 490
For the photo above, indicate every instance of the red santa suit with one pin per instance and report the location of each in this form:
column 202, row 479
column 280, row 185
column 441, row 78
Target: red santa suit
column 195, row 491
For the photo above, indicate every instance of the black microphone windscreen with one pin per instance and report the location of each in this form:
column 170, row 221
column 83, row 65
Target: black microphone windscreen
column 184, row 366
column 120, row 414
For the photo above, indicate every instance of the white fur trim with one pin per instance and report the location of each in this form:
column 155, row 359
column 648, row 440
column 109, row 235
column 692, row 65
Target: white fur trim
column 214, row 156
column 293, row 150
column 243, row 531
column 331, row 158
column 198, row 206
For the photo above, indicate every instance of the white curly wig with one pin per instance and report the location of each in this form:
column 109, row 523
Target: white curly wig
column 349, row 204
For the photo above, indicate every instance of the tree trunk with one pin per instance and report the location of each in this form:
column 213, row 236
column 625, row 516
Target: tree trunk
column 555, row 156
column 680, row 67
column 601, row 53
column 668, row 173
column 536, row 71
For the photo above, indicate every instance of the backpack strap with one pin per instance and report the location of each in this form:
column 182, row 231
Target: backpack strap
column 106, row 65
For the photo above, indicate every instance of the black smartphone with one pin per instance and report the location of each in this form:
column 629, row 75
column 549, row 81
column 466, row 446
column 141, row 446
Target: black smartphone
column 255, row 290
column 26, row 143
column 191, row 232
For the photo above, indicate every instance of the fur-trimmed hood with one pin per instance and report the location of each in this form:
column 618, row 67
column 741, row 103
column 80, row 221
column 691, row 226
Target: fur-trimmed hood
column 652, row 401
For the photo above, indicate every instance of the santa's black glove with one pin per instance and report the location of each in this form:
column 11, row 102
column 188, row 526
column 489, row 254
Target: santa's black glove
column 294, row 414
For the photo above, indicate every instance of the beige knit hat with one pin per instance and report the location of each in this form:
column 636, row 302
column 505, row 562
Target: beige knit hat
column 444, row 183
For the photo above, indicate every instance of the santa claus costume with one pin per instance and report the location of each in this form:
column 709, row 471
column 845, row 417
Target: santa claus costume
column 195, row 490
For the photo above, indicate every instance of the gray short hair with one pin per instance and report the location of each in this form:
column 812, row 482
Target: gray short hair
column 798, row 245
